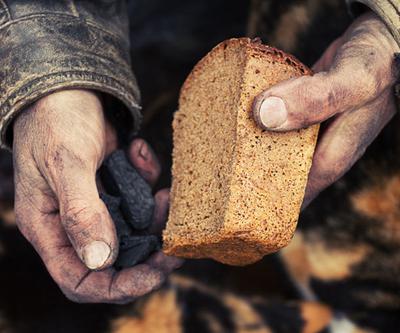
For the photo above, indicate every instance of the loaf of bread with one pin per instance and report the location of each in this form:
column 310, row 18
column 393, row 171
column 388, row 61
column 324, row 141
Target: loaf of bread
column 236, row 190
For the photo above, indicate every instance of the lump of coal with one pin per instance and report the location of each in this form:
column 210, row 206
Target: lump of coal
column 397, row 85
column 131, row 207
column 397, row 60
column 135, row 249
column 113, row 205
column 134, row 246
column 122, row 180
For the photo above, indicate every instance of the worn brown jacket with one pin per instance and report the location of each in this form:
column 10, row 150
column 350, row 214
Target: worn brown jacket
column 50, row 45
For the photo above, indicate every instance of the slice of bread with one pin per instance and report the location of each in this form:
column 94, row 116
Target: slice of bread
column 237, row 189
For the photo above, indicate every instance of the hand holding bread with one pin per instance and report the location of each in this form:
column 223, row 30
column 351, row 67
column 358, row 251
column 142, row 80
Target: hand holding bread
column 352, row 87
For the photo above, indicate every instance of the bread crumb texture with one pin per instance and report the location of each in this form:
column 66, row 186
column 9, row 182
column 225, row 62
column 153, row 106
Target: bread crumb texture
column 237, row 189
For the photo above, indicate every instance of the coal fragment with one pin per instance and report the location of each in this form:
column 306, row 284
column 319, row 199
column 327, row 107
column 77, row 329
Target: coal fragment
column 121, row 179
column 397, row 84
column 131, row 207
column 397, row 60
column 135, row 249
column 113, row 206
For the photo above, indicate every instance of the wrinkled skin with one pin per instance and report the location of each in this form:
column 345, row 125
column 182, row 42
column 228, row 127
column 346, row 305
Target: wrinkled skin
column 59, row 143
column 352, row 87
column 61, row 140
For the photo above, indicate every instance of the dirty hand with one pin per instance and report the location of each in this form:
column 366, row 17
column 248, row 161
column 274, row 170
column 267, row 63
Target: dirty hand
column 353, row 87
column 59, row 143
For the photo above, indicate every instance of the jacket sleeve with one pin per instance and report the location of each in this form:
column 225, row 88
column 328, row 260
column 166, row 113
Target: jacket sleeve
column 50, row 45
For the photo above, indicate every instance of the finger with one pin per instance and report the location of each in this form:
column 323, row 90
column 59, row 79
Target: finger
column 76, row 281
column 39, row 222
column 84, row 216
column 160, row 212
column 164, row 263
column 126, row 285
column 110, row 286
column 358, row 75
column 345, row 141
column 144, row 160
column 111, row 139
column 82, row 285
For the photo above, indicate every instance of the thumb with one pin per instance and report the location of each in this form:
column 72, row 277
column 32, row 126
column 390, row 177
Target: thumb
column 307, row 100
column 358, row 74
column 85, row 218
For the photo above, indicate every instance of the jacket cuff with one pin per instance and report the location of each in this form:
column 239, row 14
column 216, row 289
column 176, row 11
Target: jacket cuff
column 387, row 10
column 45, row 53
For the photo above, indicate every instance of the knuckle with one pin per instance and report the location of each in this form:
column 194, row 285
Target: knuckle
column 77, row 218
column 75, row 212
column 334, row 96
column 73, row 294
column 68, row 290
column 369, row 71
column 315, row 100
column 70, row 295
column 326, row 94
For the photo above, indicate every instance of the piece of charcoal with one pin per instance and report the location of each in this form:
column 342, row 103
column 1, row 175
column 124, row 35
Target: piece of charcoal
column 113, row 206
column 121, row 179
column 397, row 60
column 135, row 249
column 397, row 84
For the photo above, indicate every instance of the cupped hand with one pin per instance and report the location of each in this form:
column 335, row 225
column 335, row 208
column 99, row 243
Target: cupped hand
column 59, row 143
column 352, row 87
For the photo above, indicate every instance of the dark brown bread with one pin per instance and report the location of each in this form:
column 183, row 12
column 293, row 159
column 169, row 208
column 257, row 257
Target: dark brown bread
column 237, row 189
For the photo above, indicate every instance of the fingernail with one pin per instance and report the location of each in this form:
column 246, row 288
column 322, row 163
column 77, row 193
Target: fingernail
column 179, row 263
column 96, row 254
column 175, row 262
column 273, row 112
column 144, row 151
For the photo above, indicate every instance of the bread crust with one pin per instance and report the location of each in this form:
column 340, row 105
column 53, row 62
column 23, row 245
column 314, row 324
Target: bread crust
column 254, row 44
